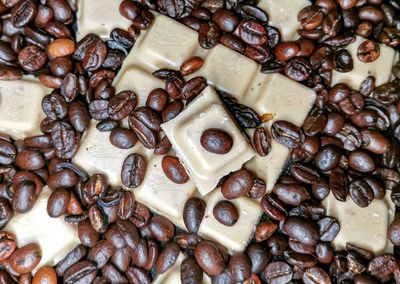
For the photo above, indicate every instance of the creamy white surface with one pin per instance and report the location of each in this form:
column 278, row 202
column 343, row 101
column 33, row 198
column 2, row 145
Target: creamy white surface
column 55, row 237
column 21, row 107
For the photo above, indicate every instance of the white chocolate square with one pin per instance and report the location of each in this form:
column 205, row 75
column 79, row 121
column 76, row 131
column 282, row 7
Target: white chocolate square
column 364, row 227
column 228, row 70
column 236, row 237
column 173, row 275
column 283, row 15
column 99, row 17
column 55, row 237
column 21, row 107
column 184, row 132
column 139, row 81
column 381, row 68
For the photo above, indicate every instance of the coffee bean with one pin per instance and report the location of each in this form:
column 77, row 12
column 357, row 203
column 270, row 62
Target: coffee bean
column 226, row 213
column 24, row 196
column 87, row 235
column 226, row 20
column 310, row 17
column 7, row 245
column 140, row 215
column 157, row 100
column 382, row 266
column 191, row 65
column 122, row 104
column 60, row 48
column 32, row 58
column 95, row 55
column 368, row 51
column 137, row 276
column 350, row 136
column 343, row 62
column 145, row 135
column 300, row 260
column 58, row 202
column 162, row 229
column 291, row 194
column 251, row 32
column 101, row 253
column 171, row 110
column 216, row 141
column 46, row 274
column 286, row 50
column 361, row 161
column 287, row 133
column 190, row 272
column 83, row 271
column 193, row 87
column 273, row 207
column 258, row 256
column 167, row 257
column 298, row 69
column 264, row 230
column 209, row 258
column 174, row 170
column 328, row 157
column 392, row 156
column 258, row 189
column 123, row 138
column 277, row 272
column 23, row 13
column 26, row 258
column 64, row 140
column 394, row 232
column 262, row 142
column 240, row 267
column 209, row 35
column 107, row 125
column 328, row 229
column 361, row 193
column 302, row 230
column 74, row 256
column 193, row 213
column 238, row 184
column 316, row 275
column 233, row 42
column 133, row 170
column 129, row 9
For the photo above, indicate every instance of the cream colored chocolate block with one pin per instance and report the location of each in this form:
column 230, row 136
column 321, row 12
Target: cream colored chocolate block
column 173, row 275
column 99, row 17
column 228, row 70
column 55, row 237
column 363, row 227
column 280, row 97
column 283, row 15
column 138, row 81
column 270, row 167
column 380, row 68
column 184, row 132
column 234, row 238
column 97, row 155
column 21, row 107
column 161, row 194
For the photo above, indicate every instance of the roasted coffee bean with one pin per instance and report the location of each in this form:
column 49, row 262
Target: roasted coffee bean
column 121, row 105
column 277, row 244
column 394, row 232
column 316, row 275
column 129, row 9
column 226, row 213
column 58, row 202
column 7, row 245
column 364, row 279
column 145, row 135
column 141, row 256
column 305, row 173
column 123, row 138
column 251, row 32
column 298, row 69
column 258, row 189
column 101, row 253
column 190, row 272
column 98, row 109
column 210, row 258
column 392, row 156
column 173, row 85
column 26, row 258
column 64, row 140
column 8, row 152
column 237, row 184
column 74, row 256
column 328, row 157
column 62, row 179
column 24, row 196
column 140, row 215
column 343, row 62
column 299, row 259
column 30, row 160
column 193, row 213
column 97, row 219
column 226, row 20
column 233, row 42
column 264, row 230
column 201, row 13
column 368, row 51
column 258, row 256
column 174, row 170
column 291, row 194
column 79, row 116
column 95, row 55
column 240, row 267
column 162, row 229
column 328, row 229
column 287, row 133
column 137, row 276
column 361, row 193
column 376, row 186
column 167, row 257
column 193, row 87
column 107, row 125
column 350, row 136
column 148, row 117
column 82, row 272
column 209, row 35
column 364, row 118
column 32, row 58
column 133, row 170
column 171, row 110
column 273, row 207
column 262, row 142
column 382, row 266
column 157, row 100
column 302, row 230
column 277, row 272
column 216, row 141
column 55, row 106
column 314, row 124
column 23, row 13
column 286, row 50
column 338, row 184
column 300, row 248
column 126, row 206
column 191, row 65
column 122, row 258
column 187, row 241
column 6, row 212
column 46, row 274
column 310, row 17
column 60, row 48
column 361, row 161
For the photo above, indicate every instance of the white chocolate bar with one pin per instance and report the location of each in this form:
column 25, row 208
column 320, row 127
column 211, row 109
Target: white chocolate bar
column 55, row 237
column 99, row 17
column 173, row 275
column 184, row 132
column 21, row 107
column 235, row 237
column 283, row 15
column 380, row 68
column 364, row 227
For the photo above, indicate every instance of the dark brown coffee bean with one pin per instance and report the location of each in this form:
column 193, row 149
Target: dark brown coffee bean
column 264, row 230
column 245, row 116
column 328, row 229
column 95, row 55
column 240, row 267
column 302, row 230
column 145, row 135
column 193, row 213
column 58, row 202
column 190, row 272
column 258, row 256
column 300, row 260
column 133, row 170
column 233, row 42
column 8, row 153
column 123, row 138
column 24, row 196
column 191, row 65
column 140, row 215
column 107, row 125
column 291, row 194
column 32, row 58
column 148, row 117
column 238, row 184
column 62, row 179
column 129, row 9
column 368, row 51
column 209, row 35
column 258, row 189
column 101, row 253
column 314, row 275
column 82, row 272
column 216, row 141
column 361, row 193
column 310, row 17
column 251, row 32
column 350, row 136
column 361, row 161
column 277, row 272
column 97, row 219
column 343, row 62
column 98, row 109
column 79, row 116
column 162, row 229
column 74, row 256
column 298, row 69
column 141, row 255
column 226, row 213
column 328, row 157
column 23, row 13
column 262, row 141
column 26, row 258
column 174, row 170
column 121, row 105
column 157, row 100
column 163, row 146
column 193, row 87
column 250, row 11
column 287, row 133
column 7, row 245
column 394, row 232
column 64, row 140
column 382, row 266
column 286, row 50
column 273, row 207
column 171, row 110
column 87, row 235
column 30, row 160
column 55, row 106
column 226, row 20
column 167, row 257
column 137, row 276
column 209, row 258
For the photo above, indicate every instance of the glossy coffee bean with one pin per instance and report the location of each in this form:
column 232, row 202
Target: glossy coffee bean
column 394, row 232
column 259, row 257
column 264, row 230
column 174, row 170
column 86, row 233
column 273, row 207
column 162, row 229
column 24, row 196
column 190, row 272
column 226, row 213
column 74, row 256
column 209, row 257
column 251, row 32
column 287, row 133
column 191, row 65
column 7, row 245
column 262, row 141
column 58, row 202
column 83, row 271
column 361, row 161
column 277, row 272
column 316, row 275
column 328, row 229
column 226, row 20
column 328, row 157
column 46, row 274
column 193, row 213
column 26, row 258
column 291, row 194
column 123, row 138
column 240, row 267
column 302, row 230
column 361, row 193
column 32, row 58
column 216, row 141
column 238, row 184
column 133, row 170
column 167, row 257
column 157, row 100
